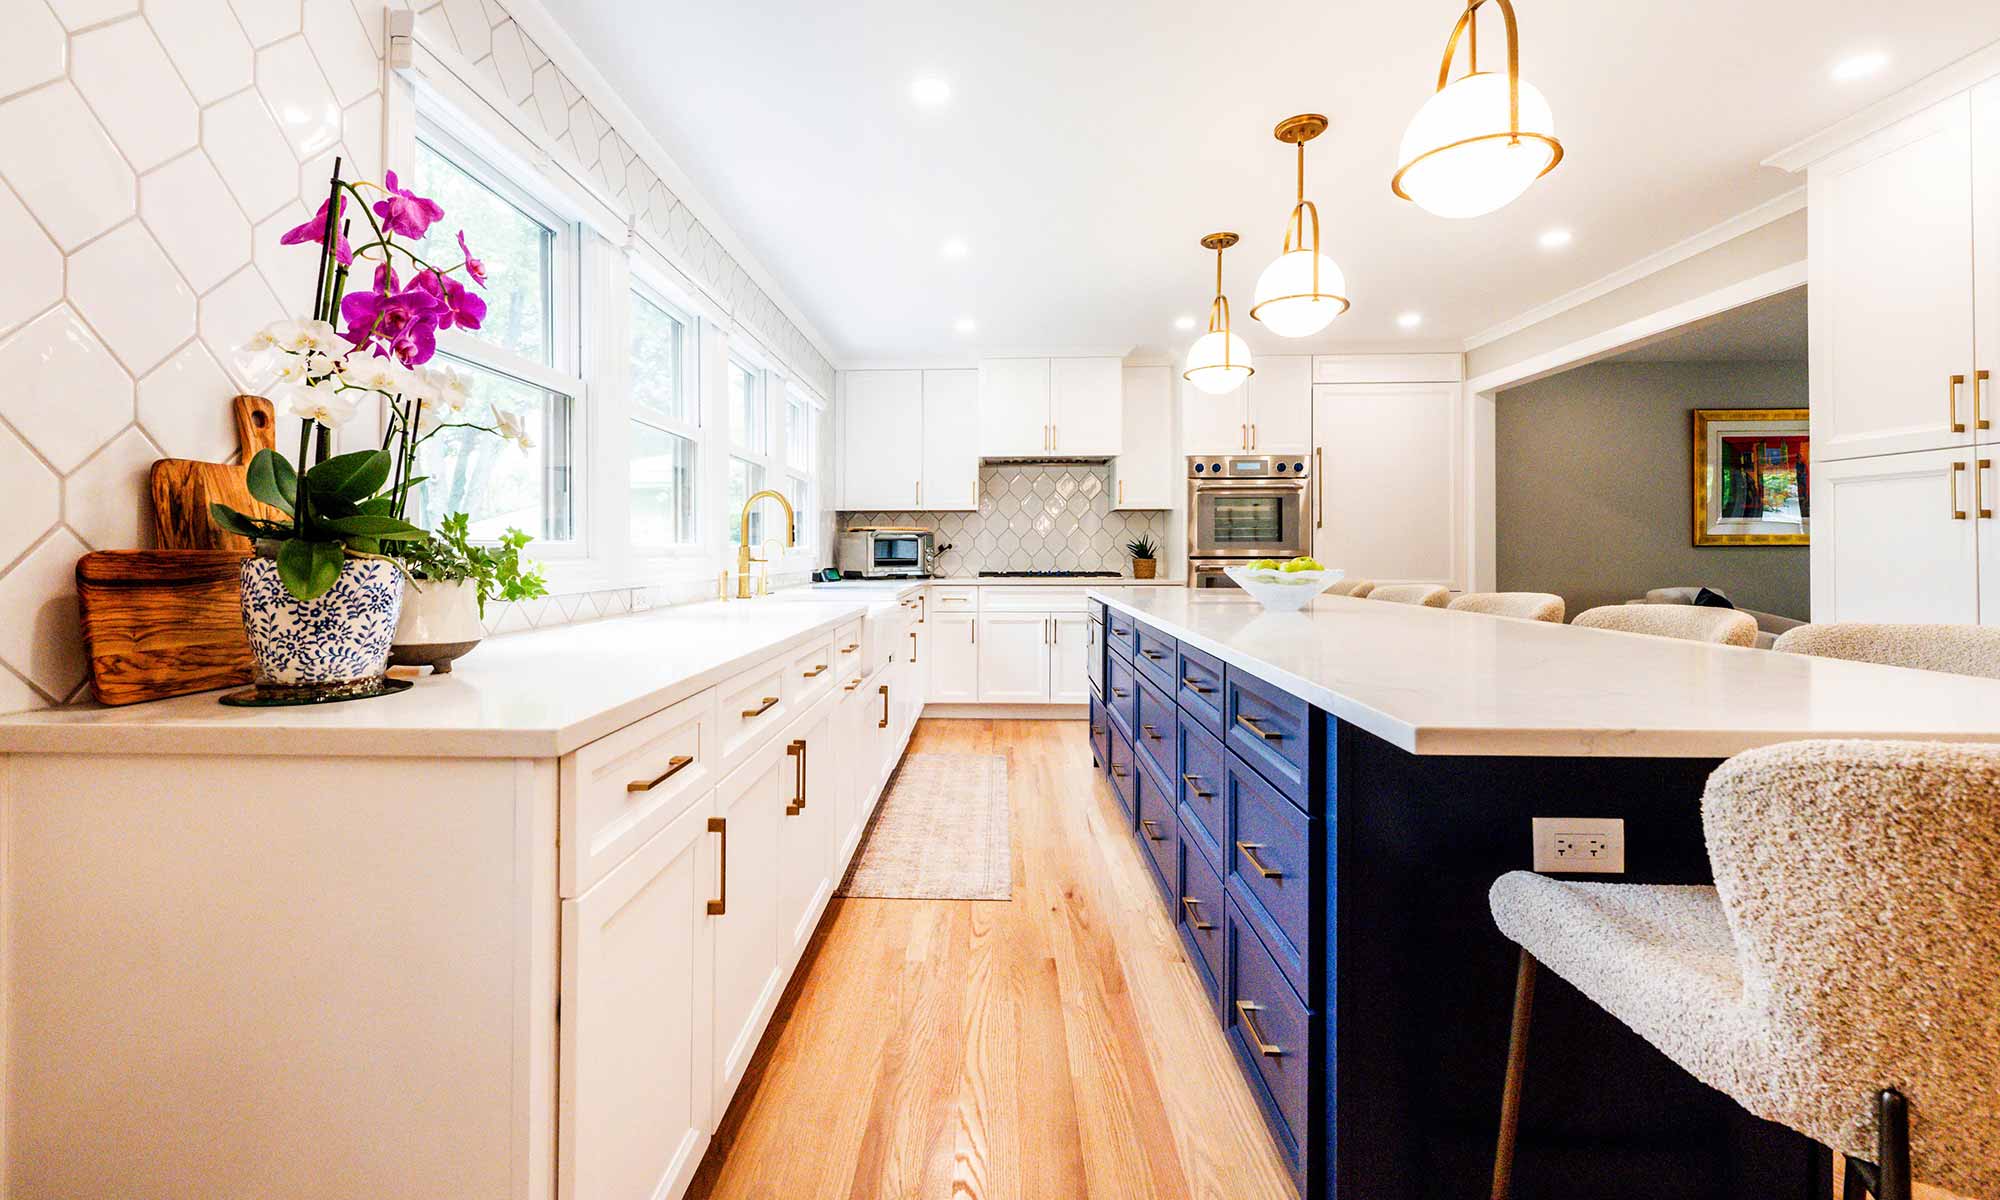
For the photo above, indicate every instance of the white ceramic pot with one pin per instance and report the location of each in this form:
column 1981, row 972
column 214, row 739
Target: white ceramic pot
column 440, row 623
column 337, row 640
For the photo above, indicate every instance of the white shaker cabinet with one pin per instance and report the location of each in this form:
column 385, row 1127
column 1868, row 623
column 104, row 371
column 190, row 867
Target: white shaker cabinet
column 1896, row 537
column 1280, row 408
column 1069, row 658
column 1013, row 407
column 1384, row 499
column 954, row 658
column 1013, row 657
column 950, row 478
column 1086, row 407
column 1068, row 407
column 1213, row 424
column 806, row 836
column 748, row 975
column 1147, row 473
column 882, row 431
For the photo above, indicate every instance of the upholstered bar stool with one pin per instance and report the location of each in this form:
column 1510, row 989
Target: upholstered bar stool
column 1357, row 588
column 1957, row 649
column 1528, row 606
column 1723, row 626
column 1840, row 977
column 1426, row 594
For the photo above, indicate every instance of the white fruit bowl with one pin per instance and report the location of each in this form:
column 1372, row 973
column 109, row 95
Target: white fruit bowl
column 1282, row 591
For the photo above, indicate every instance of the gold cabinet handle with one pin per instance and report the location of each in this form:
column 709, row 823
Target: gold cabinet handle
column 1150, row 732
column 1243, row 436
column 1250, row 723
column 1253, row 435
column 1319, row 490
column 1957, row 513
column 850, row 648
column 1096, row 732
column 1194, row 785
column 1195, row 687
column 884, row 723
column 850, row 687
column 1249, row 850
column 720, row 904
column 675, row 766
column 1155, row 655
column 1244, row 1009
column 913, row 647
column 1117, row 772
column 1193, row 907
column 1979, row 420
column 1121, row 488
column 1151, row 828
column 1121, row 632
column 816, row 672
column 761, row 709
column 1951, row 403
column 798, row 750
column 1119, row 693
column 1979, row 488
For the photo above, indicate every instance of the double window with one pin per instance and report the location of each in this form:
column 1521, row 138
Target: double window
column 665, row 451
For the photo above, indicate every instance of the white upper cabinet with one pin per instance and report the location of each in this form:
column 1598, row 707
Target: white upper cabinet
column 1891, row 221
column 951, row 440
column 1385, row 481
column 1279, row 411
column 882, row 420
column 1147, row 473
column 1214, row 424
column 1986, row 256
column 1086, row 406
column 1013, row 407
column 1896, row 537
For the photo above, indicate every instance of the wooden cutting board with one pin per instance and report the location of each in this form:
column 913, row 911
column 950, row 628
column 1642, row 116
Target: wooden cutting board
column 159, row 623
column 183, row 488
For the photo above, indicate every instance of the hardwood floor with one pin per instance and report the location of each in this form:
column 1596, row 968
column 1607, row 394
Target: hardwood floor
column 1055, row 1046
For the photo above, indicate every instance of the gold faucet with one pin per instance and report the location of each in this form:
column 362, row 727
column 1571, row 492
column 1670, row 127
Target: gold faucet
column 743, row 556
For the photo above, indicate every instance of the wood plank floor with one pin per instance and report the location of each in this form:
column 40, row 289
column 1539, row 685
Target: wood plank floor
column 1053, row 1047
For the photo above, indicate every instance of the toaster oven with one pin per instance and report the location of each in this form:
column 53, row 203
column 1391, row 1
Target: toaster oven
column 887, row 552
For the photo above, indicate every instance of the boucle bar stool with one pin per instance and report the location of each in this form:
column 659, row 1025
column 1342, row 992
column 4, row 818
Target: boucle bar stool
column 1357, row 588
column 1426, row 594
column 1956, row 649
column 1722, row 626
column 1528, row 606
column 1840, row 976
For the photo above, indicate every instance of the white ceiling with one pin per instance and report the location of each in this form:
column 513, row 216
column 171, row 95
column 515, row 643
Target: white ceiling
column 1088, row 144
column 1768, row 330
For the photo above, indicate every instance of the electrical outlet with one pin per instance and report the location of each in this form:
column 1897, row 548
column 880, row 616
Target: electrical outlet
column 1579, row 845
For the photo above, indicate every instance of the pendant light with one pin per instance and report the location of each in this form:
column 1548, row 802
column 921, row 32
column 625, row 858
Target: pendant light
column 1301, row 292
column 1481, row 140
column 1219, row 361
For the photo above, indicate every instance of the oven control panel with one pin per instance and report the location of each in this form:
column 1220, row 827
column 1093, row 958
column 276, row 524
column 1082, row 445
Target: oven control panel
column 1245, row 466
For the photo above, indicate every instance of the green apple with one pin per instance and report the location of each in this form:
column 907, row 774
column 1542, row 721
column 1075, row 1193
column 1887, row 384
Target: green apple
column 1264, row 564
column 1302, row 563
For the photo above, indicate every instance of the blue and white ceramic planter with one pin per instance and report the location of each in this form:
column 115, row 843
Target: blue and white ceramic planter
column 338, row 641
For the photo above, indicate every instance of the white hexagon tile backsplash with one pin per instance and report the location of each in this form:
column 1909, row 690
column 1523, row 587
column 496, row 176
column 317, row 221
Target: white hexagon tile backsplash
column 150, row 153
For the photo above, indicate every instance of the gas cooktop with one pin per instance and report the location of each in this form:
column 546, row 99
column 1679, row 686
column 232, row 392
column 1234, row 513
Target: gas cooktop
column 1050, row 575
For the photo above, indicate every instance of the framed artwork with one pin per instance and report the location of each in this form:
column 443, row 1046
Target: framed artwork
column 1751, row 477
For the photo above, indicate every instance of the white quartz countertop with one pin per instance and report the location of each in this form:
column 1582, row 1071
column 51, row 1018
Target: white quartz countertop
column 527, row 695
column 1003, row 581
column 1433, row 681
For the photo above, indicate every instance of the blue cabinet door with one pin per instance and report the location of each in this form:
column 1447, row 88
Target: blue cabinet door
column 1157, row 732
column 1156, row 655
column 1269, row 856
column 1271, row 730
column 1270, row 1028
column 1199, row 681
column 1204, row 784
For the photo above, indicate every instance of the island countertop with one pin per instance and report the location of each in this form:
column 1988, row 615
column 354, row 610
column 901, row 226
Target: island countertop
column 1433, row 681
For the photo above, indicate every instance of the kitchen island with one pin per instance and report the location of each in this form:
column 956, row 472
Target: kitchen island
column 1325, row 798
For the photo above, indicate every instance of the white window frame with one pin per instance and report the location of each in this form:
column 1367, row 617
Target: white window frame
column 809, row 474
column 696, row 430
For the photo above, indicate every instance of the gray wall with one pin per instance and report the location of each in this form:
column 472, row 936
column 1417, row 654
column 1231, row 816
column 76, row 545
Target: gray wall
column 1592, row 482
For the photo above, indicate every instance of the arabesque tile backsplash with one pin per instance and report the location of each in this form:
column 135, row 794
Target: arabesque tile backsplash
column 1033, row 518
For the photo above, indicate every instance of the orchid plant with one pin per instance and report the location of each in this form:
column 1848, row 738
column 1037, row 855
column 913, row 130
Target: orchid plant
column 352, row 505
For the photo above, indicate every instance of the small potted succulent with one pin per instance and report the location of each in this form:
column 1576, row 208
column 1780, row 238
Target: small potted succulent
column 1145, row 556
column 452, row 578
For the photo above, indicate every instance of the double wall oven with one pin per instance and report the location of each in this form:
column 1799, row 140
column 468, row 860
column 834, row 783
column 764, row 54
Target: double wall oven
column 1243, row 507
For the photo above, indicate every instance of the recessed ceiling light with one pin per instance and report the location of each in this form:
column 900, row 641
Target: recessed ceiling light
column 954, row 248
column 964, row 325
column 1847, row 70
column 1410, row 320
column 930, row 91
column 1555, row 239
column 1183, row 322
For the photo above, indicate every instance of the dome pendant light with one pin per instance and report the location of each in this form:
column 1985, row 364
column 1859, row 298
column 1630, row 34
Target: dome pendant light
column 1480, row 140
column 1300, row 293
column 1219, row 361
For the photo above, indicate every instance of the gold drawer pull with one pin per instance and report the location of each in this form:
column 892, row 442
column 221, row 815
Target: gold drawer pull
column 1957, row 513
column 1249, row 851
column 1150, row 732
column 1979, row 420
column 1151, row 827
column 761, row 709
column 1250, row 723
column 1117, row 772
column 1121, row 632
column 1119, row 693
column 674, row 767
column 1194, row 785
column 816, row 672
column 884, row 722
column 720, row 905
column 1196, row 688
column 850, row 687
column 850, row 648
column 1951, row 403
column 1155, row 655
column 1194, row 917
column 798, row 750
column 1979, row 470
column 1243, row 1010
column 1096, row 732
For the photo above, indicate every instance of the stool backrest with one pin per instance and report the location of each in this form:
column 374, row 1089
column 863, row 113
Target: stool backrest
column 1861, row 881
column 1724, row 626
column 1357, row 588
column 1426, row 594
column 1529, row 606
column 1959, row 649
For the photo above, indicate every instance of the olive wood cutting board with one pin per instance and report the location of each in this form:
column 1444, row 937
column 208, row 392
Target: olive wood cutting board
column 183, row 488
column 159, row 623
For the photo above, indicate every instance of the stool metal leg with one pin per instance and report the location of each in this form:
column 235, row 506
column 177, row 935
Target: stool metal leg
column 1517, row 1065
column 1892, row 1145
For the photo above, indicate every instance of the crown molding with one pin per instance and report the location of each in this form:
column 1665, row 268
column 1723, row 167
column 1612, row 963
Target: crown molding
column 1940, row 85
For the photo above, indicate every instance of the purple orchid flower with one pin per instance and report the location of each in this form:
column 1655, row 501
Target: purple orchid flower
column 313, row 232
column 402, row 324
column 473, row 267
column 461, row 307
column 405, row 212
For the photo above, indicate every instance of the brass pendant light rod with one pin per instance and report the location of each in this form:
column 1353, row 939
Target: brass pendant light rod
column 1297, row 131
column 1468, row 24
column 1219, row 307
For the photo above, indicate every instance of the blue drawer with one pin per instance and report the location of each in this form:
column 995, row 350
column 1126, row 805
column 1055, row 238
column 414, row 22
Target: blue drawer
column 1204, row 777
column 1100, row 734
column 1121, row 694
column 1270, row 1030
column 1199, row 681
column 1157, row 733
column 1201, row 914
column 1120, row 632
column 1157, row 828
column 1269, row 867
column 1124, row 770
column 1156, row 655
column 1271, row 730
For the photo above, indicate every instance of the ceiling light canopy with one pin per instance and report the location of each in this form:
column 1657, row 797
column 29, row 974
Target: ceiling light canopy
column 954, row 248
column 1482, row 139
column 1302, row 291
column 964, row 325
column 1219, row 361
column 930, row 91
column 1410, row 320
column 1861, row 66
column 1555, row 239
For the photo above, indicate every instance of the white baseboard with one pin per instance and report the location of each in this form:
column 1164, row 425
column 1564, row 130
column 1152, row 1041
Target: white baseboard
column 1008, row 712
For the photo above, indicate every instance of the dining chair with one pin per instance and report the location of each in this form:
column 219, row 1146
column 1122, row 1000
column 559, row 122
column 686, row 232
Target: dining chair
column 1956, row 649
column 1529, row 606
column 1723, row 626
column 1428, row 595
column 1357, row 588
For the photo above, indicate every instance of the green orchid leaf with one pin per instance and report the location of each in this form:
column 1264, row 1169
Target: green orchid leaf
column 229, row 520
column 376, row 506
column 365, row 545
column 309, row 569
column 273, row 481
column 382, row 527
column 351, row 477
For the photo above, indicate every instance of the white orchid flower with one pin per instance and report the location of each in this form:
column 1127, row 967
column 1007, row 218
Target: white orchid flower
column 509, row 426
column 376, row 374
column 306, row 337
column 321, row 403
column 451, row 388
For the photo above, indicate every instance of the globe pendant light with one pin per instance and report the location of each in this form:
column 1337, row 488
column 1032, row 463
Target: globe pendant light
column 1480, row 140
column 1300, row 293
column 1219, row 361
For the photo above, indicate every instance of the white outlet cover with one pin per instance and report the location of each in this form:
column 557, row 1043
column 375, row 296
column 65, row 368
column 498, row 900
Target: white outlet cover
column 1550, row 861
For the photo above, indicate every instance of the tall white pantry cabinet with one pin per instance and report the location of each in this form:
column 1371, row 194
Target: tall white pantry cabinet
column 1904, row 273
